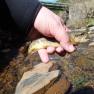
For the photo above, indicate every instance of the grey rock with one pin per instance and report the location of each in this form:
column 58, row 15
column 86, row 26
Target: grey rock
column 35, row 82
column 81, row 13
column 91, row 44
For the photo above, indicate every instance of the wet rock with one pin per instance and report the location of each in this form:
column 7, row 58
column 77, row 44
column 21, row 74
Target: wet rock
column 91, row 44
column 35, row 82
column 40, row 68
column 61, row 87
column 79, row 68
column 12, row 73
column 91, row 29
column 90, row 84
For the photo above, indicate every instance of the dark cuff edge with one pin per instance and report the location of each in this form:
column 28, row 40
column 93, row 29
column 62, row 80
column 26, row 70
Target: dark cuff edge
column 35, row 12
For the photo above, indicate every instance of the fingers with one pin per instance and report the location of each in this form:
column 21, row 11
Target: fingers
column 50, row 50
column 63, row 38
column 67, row 46
column 60, row 33
column 59, row 49
column 64, row 41
column 43, row 55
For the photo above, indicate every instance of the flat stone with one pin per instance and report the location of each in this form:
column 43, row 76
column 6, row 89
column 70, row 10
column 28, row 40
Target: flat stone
column 35, row 82
column 39, row 68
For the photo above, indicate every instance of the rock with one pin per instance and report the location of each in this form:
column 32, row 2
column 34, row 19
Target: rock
column 81, row 13
column 61, row 87
column 39, row 68
column 90, row 84
column 63, row 15
column 79, row 68
column 91, row 33
column 91, row 44
column 11, row 74
column 91, row 29
column 35, row 81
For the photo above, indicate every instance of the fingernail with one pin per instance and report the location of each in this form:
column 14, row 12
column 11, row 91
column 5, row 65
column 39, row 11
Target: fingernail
column 59, row 49
column 68, row 47
column 71, row 48
column 43, row 55
column 45, row 60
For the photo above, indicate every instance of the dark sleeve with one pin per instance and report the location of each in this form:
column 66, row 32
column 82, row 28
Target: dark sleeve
column 23, row 12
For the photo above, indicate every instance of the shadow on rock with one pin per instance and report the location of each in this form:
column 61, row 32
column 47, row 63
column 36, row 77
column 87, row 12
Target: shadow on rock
column 85, row 90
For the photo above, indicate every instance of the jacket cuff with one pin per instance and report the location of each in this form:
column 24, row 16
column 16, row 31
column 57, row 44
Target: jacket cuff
column 24, row 12
column 33, row 16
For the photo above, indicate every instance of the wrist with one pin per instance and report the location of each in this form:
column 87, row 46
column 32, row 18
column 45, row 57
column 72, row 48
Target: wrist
column 38, row 17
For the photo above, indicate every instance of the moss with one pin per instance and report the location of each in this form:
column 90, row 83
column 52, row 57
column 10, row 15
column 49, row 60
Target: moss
column 78, row 81
column 90, row 21
column 63, row 1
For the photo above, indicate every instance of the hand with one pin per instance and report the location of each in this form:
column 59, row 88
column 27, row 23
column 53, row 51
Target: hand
column 50, row 25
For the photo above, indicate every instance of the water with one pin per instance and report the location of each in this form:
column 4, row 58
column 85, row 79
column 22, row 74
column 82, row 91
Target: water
column 49, row 1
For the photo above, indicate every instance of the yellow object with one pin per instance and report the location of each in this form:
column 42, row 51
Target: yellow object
column 41, row 43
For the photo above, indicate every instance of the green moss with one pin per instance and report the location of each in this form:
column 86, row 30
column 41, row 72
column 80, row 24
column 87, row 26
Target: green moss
column 62, row 1
column 90, row 21
column 78, row 81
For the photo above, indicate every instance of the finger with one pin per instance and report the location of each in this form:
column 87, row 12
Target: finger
column 50, row 49
column 59, row 49
column 62, row 36
column 43, row 55
column 67, row 46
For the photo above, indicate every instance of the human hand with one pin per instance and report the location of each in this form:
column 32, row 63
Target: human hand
column 50, row 25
